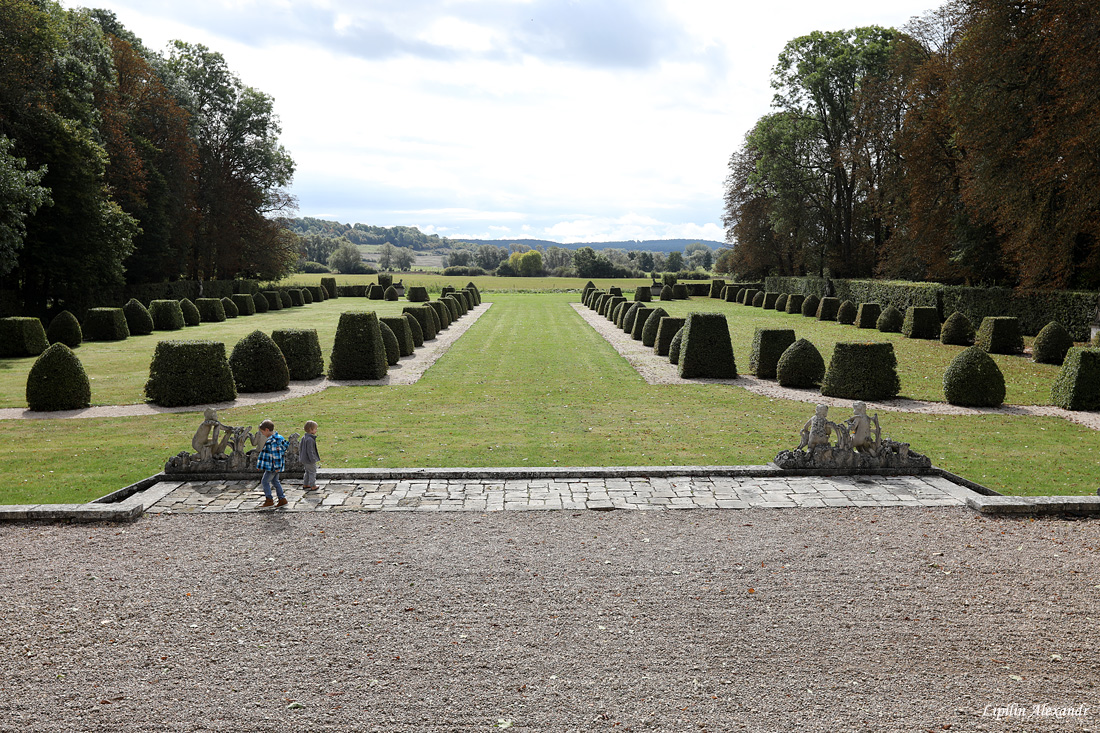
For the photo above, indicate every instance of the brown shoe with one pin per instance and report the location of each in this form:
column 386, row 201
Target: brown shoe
column 281, row 502
column 267, row 502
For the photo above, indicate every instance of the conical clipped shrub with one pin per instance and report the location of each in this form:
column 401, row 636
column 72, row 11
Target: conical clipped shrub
column 274, row 300
column 758, row 299
column 675, row 345
column 477, row 293
column 617, row 313
column 391, row 293
column 307, row 296
column 138, row 320
column 425, row 317
column 210, row 310
column 643, row 294
column 667, row 328
column 862, row 371
column 667, row 294
column 639, row 322
column 652, row 323
column 890, row 320
column 375, row 292
column 1051, row 344
column 434, row 316
column 284, row 298
column 461, row 304
column 414, row 327
column 706, row 351
column 230, row 308
column 417, row 294
column 296, row 297
column 588, row 287
column 716, row 287
column 846, row 313
column 317, row 292
column 401, row 329
column 246, row 304
column 57, row 381
column 809, row 306
column 258, row 364
column 358, row 351
column 191, row 315
column 921, row 322
column 389, row 340
column 596, row 299
column 631, row 315
column 262, row 306
column 729, row 294
column 800, row 365
column 189, row 373
column 302, row 350
column 105, row 324
column 768, row 344
column 385, row 279
column 167, row 315
column 781, row 302
column 827, row 309
column 329, row 284
column 794, row 303
column 610, row 304
column 746, row 296
column 957, row 331
column 442, row 312
column 1077, row 386
column 973, row 379
column 23, row 336
column 867, row 315
column 615, row 290
column 65, row 329
column 769, row 301
column 739, row 295
column 1000, row 335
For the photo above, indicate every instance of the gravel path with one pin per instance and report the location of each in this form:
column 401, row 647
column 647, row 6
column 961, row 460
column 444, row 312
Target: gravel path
column 658, row 370
column 757, row 620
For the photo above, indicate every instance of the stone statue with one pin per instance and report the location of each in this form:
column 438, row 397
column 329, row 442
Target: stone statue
column 859, row 426
column 213, row 439
column 206, row 441
column 817, row 429
column 859, row 445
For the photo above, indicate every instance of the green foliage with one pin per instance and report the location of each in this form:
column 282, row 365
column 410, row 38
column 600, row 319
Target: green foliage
column 810, row 305
column 65, row 329
column 890, row 320
column 643, row 294
column 274, row 300
column 667, row 328
column 999, row 335
column 638, row 324
column 358, row 351
column 667, row 293
column 442, row 312
column 828, row 308
column 296, row 297
column 391, row 294
column 424, row 315
column 739, row 295
column 302, row 350
column 867, row 316
column 973, row 379
column 57, row 381
column 258, row 364
column 747, row 296
column 402, row 332
column 630, row 315
column 307, row 296
column 456, row 306
column 957, row 330
column 375, row 292
column 284, row 298
column 615, row 290
column 862, row 371
column 477, row 293
column 211, row 310
column 190, row 373
column 707, row 351
column 676, row 345
column 414, row 327
column 167, row 315
column 781, row 302
column 191, row 315
column 416, row 294
column 846, row 313
column 1051, row 344
column 680, row 291
column 230, row 308
column 318, row 292
column 758, row 299
column 246, row 304
column 610, row 305
column 617, row 312
column 389, row 340
column 329, row 284
column 651, row 325
column 260, row 301
column 921, row 322
column 729, row 294
column 20, row 336
column 794, row 303
column 588, row 287
column 1077, row 386
column 770, row 300
column 716, row 287
column 800, row 365
column 106, row 324
column 768, row 344
column 138, row 320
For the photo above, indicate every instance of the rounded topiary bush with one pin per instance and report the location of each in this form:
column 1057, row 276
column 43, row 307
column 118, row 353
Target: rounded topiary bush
column 616, row 314
column 246, row 304
column 65, row 329
column 375, row 292
column 1051, row 344
column 138, row 320
column 758, row 299
column 167, row 315
column 230, row 308
column 739, row 295
column 706, row 350
column 644, row 294
column 957, row 330
column 747, row 296
column 296, row 297
column 402, row 331
column 768, row 344
column 630, row 315
column 890, row 320
column 667, row 293
column 211, row 310
column 317, row 292
column 667, row 328
column 800, row 365
column 610, row 305
column 781, row 302
column 794, row 303
column 999, row 335
column 462, row 301
column 389, row 340
column 260, row 300
column 274, row 300
column 455, row 307
column 862, row 371
column 867, row 315
column 189, row 373
column 973, row 379
column 442, row 312
column 675, row 345
column 105, row 324
column 391, row 294
column 1077, row 386
column 588, row 287
column 652, row 323
column 639, row 322
column 329, row 284
column 477, row 293
column 827, row 309
column 57, row 381
column 417, row 294
column 921, row 322
column 425, row 317
column 358, row 351
column 307, row 295
column 809, row 306
column 258, row 364
column 191, row 315
column 414, row 327
column 434, row 316
column 284, row 298
column 302, row 350
column 846, row 313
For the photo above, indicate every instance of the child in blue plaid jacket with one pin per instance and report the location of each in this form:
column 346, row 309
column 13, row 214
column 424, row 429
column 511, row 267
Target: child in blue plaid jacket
column 271, row 460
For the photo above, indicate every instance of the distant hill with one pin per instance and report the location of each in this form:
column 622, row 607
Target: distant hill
column 644, row 245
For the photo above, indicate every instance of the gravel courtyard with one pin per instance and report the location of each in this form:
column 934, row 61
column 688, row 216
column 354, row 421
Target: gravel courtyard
column 706, row 620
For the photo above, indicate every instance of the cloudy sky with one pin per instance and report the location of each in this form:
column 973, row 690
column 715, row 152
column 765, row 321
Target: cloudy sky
column 568, row 120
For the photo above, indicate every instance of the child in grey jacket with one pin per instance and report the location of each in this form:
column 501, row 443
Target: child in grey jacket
column 307, row 454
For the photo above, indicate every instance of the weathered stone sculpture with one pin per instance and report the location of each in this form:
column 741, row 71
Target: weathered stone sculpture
column 859, row 445
column 213, row 439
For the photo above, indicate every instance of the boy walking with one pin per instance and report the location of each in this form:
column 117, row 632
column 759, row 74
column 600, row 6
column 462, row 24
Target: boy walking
column 307, row 453
column 271, row 460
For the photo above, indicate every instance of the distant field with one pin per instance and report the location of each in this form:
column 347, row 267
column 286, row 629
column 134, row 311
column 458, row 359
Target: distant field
column 484, row 283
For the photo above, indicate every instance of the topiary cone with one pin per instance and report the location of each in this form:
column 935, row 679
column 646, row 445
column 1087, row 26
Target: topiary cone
column 57, row 381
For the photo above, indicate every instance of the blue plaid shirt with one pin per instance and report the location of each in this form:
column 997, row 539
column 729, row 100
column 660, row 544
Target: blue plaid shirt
column 272, row 453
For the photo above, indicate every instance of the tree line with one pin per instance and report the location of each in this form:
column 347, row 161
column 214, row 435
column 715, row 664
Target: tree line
column 121, row 165
column 397, row 236
column 961, row 149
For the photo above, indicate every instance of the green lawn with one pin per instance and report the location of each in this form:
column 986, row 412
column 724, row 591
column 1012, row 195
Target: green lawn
column 529, row 384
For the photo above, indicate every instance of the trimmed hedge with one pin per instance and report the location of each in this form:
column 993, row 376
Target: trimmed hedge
column 769, row 301
column 375, row 292
column 284, row 298
column 706, row 350
column 652, row 323
column 417, row 294
column 957, row 330
column 258, row 364
column 862, row 371
column 588, row 286
column 462, row 297
column 747, row 296
column 867, row 315
column 890, row 320
column 274, row 300
column 425, row 316
column 307, row 295
column 1077, row 386
column 667, row 293
column 57, row 381
column 457, row 305
column 758, row 299
column 389, row 340
column 23, row 336
column 318, row 292
column 827, row 309
column 65, row 329
column 296, row 297
column 809, row 306
column 106, row 324
column 302, row 350
column 800, row 365
column 167, row 315
column 609, row 306
column 1052, row 344
column 739, row 295
column 729, row 294
column 643, row 294
column 716, row 288
column 781, row 302
column 675, row 345
column 973, row 379
column 667, row 328
column 329, row 284
column 191, row 315
column 391, row 294
column 639, row 322
column 617, row 312
column 414, row 327
column 1000, row 335
column 353, row 291
column 246, row 304
column 477, row 293
column 358, row 351
column 436, row 322
column 262, row 305
column 846, row 313
column 921, row 322
column 189, row 373
column 402, row 331
column 230, row 308
column 794, row 303
column 598, row 300
column 615, row 290
column 442, row 312
column 138, row 320
column 626, row 321
column 768, row 344
column 210, row 310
